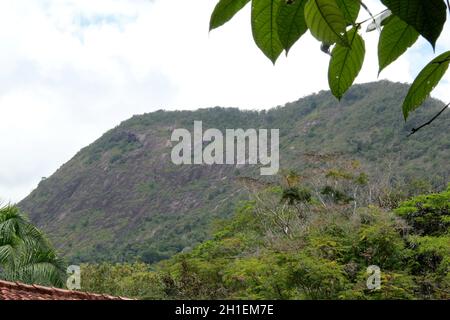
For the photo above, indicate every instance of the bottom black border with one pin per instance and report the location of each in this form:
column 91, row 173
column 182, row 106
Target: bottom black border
column 233, row 309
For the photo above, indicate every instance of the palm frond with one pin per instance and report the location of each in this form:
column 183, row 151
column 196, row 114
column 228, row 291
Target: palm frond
column 25, row 253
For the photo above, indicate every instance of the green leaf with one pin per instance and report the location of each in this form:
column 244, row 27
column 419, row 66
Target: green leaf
column 224, row 11
column 426, row 16
column 291, row 22
column 345, row 64
column 396, row 37
column 350, row 9
column 425, row 82
column 265, row 28
column 326, row 21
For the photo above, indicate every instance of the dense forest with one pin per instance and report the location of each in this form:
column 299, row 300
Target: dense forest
column 297, row 243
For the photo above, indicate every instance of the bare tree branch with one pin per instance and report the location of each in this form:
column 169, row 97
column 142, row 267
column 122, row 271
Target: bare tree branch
column 414, row 130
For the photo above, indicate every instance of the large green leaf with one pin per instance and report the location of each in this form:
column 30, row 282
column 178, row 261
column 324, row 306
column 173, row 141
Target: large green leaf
column 265, row 29
column 396, row 37
column 291, row 22
column 345, row 64
column 326, row 21
column 426, row 16
column 425, row 82
column 224, row 11
column 350, row 9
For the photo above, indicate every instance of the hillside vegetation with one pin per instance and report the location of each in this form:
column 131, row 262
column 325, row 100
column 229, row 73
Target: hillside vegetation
column 321, row 250
column 122, row 199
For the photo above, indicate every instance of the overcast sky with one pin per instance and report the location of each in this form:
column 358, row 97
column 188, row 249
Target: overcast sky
column 72, row 69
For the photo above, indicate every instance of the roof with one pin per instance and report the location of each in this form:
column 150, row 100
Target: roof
column 21, row 291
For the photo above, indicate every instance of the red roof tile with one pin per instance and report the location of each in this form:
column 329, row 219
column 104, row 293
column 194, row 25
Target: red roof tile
column 21, row 291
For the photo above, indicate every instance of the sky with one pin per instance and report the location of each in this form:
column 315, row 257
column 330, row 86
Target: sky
column 72, row 69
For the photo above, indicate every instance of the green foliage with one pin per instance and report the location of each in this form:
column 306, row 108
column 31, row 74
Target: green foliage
column 261, row 277
column 326, row 21
column 431, row 254
column 336, row 195
column 224, row 11
column 425, row 82
column 25, row 253
column 350, row 8
column 317, row 278
column 330, row 259
column 291, row 22
column 345, row 64
column 396, row 37
column 117, row 143
column 380, row 244
column 395, row 286
column 265, row 28
column 427, row 17
column 325, row 257
column 296, row 194
column 428, row 214
column 278, row 24
column 134, row 280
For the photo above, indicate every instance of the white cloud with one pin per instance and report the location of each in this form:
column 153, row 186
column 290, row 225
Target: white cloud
column 71, row 69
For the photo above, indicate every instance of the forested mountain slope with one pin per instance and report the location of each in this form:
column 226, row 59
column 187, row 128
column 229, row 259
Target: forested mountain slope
column 121, row 197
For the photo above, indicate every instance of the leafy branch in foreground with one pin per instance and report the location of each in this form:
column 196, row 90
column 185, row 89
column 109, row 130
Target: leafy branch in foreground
column 278, row 24
column 425, row 82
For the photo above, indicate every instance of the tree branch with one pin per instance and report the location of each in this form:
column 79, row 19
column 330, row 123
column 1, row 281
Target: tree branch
column 367, row 9
column 414, row 130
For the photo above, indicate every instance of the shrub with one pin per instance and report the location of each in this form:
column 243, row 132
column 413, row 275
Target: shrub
column 427, row 214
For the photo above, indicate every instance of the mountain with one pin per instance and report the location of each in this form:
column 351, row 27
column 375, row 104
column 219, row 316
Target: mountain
column 122, row 198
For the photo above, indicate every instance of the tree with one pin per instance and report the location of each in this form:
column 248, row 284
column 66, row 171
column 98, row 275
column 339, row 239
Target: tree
column 25, row 253
column 428, row 214
column 278, row 24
